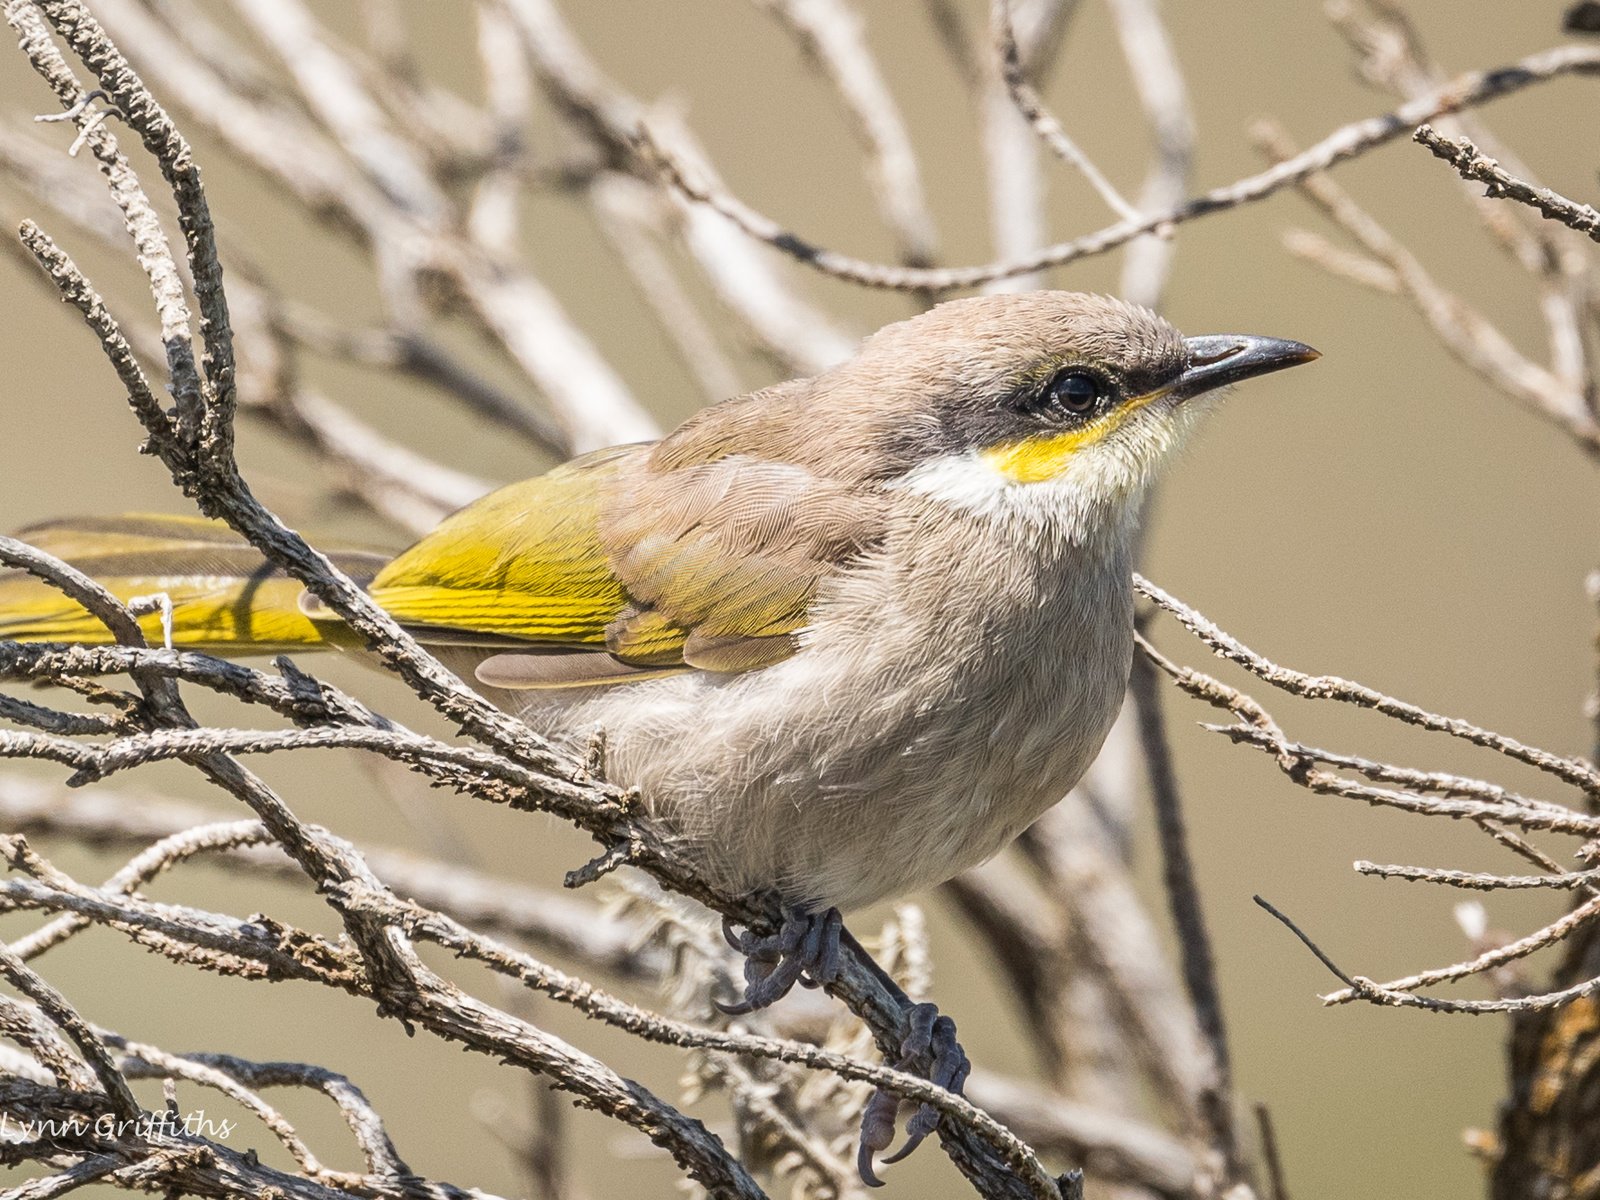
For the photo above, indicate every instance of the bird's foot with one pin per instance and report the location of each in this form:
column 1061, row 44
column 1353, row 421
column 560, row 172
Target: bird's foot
column 805, row 950
column 931, row 1041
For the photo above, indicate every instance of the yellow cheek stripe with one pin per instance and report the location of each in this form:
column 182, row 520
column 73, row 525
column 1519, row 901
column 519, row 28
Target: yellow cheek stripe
column 1042, row 458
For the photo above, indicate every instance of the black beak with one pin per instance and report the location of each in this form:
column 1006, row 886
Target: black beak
column 1223, row 358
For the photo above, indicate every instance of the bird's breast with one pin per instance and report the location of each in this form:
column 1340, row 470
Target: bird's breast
column 992, row 664
column 949, row 687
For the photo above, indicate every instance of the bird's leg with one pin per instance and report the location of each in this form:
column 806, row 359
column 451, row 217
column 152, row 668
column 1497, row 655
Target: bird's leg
column 931, row 1040
column 805, row 950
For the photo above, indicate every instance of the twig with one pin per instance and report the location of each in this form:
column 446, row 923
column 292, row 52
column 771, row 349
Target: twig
column 1477, row 880
column 551, row 922
column 1330, row 687
column 455, row 937
column 199, row 455
column 58, row 1010
column 1490, row 960
column 1462, row 330
column 1315, row 949
column 1043, row 122
column 1348, row 142
column 1258, row 729
column 1393, row 58
column 1277, row 1184
column 234, row 1074
column 1111, row 1148
column 1188, row 917
column 83, row 1172
column 1470, row 163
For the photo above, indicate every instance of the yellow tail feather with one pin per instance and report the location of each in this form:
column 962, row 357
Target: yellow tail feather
column 225, row 598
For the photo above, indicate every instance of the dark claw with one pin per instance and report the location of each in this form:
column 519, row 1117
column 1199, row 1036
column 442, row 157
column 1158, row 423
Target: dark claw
column 877, row 1133
column 805, row 949
column 766, row 982
column 915, row 1135
column 808, row 949
column 930, row 1037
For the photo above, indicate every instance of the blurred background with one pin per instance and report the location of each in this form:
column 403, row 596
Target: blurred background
column 1385, row 515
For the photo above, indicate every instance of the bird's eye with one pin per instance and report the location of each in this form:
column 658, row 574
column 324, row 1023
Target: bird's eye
column 1076, row 392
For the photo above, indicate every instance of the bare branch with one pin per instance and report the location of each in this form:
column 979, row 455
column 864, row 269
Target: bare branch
column 1330, row 687
column 1464, row 331
column 1044, row 123
column 56, row 1009
column 1399, row 993
column 1343, row 144
column 1470, row 163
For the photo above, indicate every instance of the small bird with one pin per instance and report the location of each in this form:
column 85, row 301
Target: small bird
column 848, row 635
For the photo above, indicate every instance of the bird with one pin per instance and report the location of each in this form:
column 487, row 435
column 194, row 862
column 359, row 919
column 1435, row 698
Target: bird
column 847, row 635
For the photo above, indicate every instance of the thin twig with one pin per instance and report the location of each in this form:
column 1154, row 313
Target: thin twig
column 1470, row 163
column 1188, row 916
column 1044, row 123
column 1350, row 141
column 1330, row 687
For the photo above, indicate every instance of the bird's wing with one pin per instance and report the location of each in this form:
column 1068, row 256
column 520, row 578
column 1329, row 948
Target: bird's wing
column 721, row 560
column 613, row 569
column 523, row 564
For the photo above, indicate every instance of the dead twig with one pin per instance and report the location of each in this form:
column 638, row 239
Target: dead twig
column 1470, row 163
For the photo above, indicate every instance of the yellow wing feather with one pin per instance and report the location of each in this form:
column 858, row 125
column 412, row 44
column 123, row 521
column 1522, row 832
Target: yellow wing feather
column 524, row 562
column 601, row 569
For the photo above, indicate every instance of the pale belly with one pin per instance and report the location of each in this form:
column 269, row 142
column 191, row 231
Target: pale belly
column 884, row 757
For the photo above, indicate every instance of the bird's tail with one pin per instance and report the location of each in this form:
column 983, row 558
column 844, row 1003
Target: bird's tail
column 218, row 592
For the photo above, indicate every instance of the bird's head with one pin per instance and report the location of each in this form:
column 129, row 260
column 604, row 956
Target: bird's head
column 1044, row 401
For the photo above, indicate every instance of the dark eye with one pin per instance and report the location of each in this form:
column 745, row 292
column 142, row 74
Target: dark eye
column 1076, row 392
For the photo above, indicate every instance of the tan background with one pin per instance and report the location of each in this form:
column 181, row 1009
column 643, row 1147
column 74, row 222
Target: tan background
column 1381, row 514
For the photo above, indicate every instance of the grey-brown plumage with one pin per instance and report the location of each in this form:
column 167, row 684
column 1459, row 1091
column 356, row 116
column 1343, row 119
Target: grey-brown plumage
column 848, row 635
column 877, row 621
column 927, row 717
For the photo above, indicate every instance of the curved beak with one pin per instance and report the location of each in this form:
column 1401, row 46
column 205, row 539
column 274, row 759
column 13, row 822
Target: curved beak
column 1220, row 359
